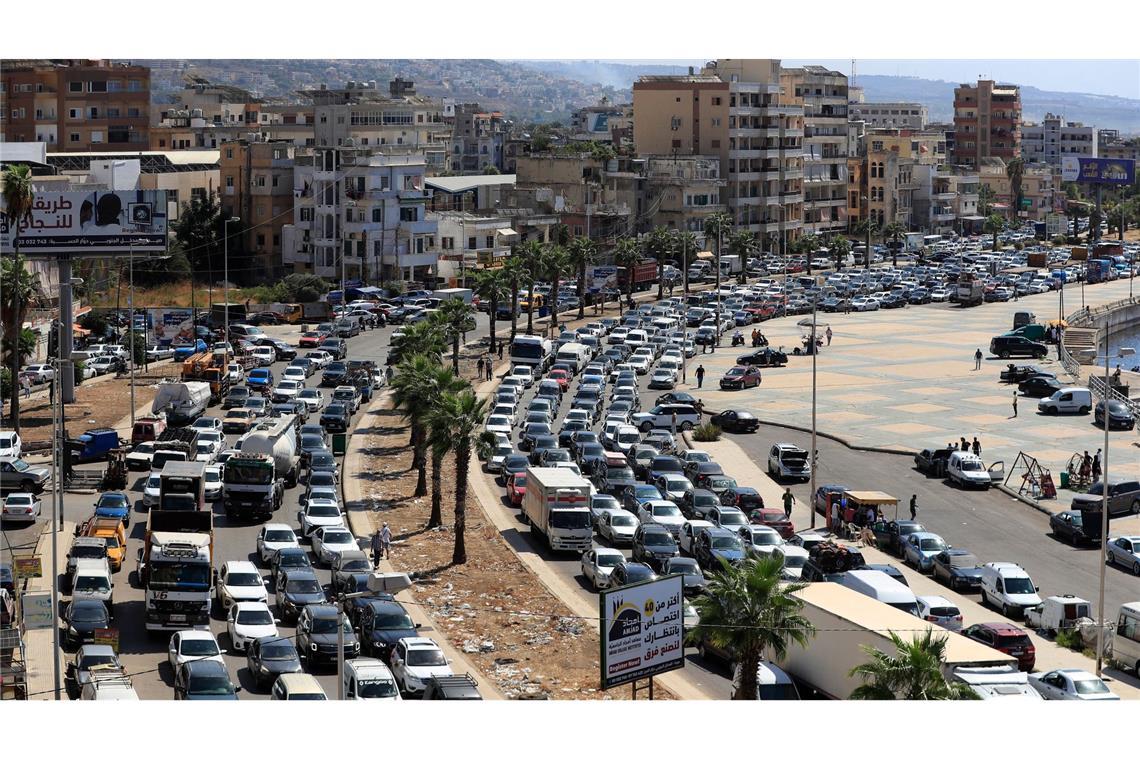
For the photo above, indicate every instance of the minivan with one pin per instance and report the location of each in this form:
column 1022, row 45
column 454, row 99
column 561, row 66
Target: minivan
column 878, row 585
column 1072, row 400
column 1126, row 643
column 92, row 580
column 1008, row 587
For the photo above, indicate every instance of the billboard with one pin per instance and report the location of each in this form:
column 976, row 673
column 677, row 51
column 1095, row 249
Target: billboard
column 1098, row 171
column 641, row 630
column 172, row 326
column 91, row 222
column 598, row 277
column 38, row 611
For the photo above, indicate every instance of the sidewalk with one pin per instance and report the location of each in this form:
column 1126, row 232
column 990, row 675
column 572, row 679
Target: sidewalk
column 40, row 644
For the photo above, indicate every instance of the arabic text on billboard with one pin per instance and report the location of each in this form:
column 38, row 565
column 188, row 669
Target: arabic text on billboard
column 1098, row 171
column 641, row 630
column 91, row 222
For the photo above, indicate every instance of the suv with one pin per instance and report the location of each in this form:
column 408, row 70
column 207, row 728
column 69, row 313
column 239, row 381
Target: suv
column 786, row 460
column 653, row 544
column 317, row 634
column 1123, row 498
column 661, row 416
column 1007, row 638
column 1006, row 346
column 452, row 687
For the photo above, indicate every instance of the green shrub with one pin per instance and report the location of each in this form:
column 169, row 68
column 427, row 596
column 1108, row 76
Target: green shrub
column 1069, row 638
column 706, row 432
column 5, row 382
column 1018, row 245
column 1059, row 240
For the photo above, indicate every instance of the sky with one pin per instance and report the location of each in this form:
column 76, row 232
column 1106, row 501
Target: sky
column 1100, row 77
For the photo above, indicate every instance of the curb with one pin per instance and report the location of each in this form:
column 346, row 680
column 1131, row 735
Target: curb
column 831, row 437
column 1024, row 499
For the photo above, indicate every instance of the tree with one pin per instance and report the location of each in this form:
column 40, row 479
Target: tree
column 716, row 227
column 994, row 224
column 16, row 282
column 626, row 254
column 807, row 245
column 658, row 245
column 915, row 672
column 895, row 233
column 199, row 228
column 582, row 252
column 748, row 610
column 985, row 200
column 555, row 265
column 455, row 318
column 513, row 268
column 840, row 246
column 491, row 286
column 686, row 248
column 462, row 415
column 413, row 394
column 441, row 381
column 424, row 338
column 531, row 254
column 1014, row 170
column 742, row 243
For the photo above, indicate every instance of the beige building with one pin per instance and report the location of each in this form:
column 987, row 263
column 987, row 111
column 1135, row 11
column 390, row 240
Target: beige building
column 682, row 192
column 257, row 187
column 592, row 197
column 987, row 122
column 823, row 95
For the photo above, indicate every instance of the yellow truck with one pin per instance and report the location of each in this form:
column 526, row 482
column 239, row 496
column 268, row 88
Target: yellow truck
column 111, row 530
column 210, row 367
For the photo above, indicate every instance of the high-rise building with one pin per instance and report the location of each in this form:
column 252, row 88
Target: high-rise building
column 823, row 95
column 75, row 105
column 1054, row 138
column 987, row 122
column 257, row 187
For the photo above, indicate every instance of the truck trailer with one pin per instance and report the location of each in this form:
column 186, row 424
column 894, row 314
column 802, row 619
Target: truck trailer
column 557, row 506
column 183, row 402
column 182, row 487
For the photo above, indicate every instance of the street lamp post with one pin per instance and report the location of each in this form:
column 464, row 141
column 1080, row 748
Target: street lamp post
column 131, row 329
column 814, row 458
column 226, row 271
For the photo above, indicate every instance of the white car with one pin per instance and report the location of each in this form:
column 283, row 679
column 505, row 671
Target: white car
column 151, row 491
column 313, row 398
column 207, row 424
column 640, row 364
column 39, row 373
column 523, row 373
column 687, row 540
column 100, row 365
column 617, row 527
column 158, row 353
column 661, row 512
column 249, row 621
column 213, row 475
column 140, row 456
column 1072, row 684
column 1125, row 552
column 329, row 542
column 597, row 564
column 265, row 355
column 274, row 537
column 673, row 486
column 236, row 373
column 663, row 378
column 22, row 507
column 207, row 451
column 504, row 410
column 319, row 513
column 864, row 304
column 794, row 558
column 498, row 423
column 287, row 390
column 295, row 373
column 239, row 581
column 499, row 453
column 10, row 445
column 415, row 660
column 192, row 644
column 760, row 539
column 319, row 356
column 940, row 295
column 940, row 611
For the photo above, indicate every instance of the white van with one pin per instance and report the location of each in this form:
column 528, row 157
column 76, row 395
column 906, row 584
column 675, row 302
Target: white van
column 878, row 585
column 109, row 686
column 967, row 470
column 577, row 355
column 367, row 678
column 1073, row 400
column 1008, row 587
column 772, row 683
column 1126, row 642
column 92, row 580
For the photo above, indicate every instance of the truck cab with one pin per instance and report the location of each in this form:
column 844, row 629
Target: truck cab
column 94, row 445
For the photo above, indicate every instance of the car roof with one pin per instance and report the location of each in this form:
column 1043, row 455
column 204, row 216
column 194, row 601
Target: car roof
column 195, row 633
column 300, row 683
column 933, row 600
column 205, row 667
column 716, row 531
column 243, row 565
column 600, row 550
column 321, row 610
column 1003, row 628
column 420, row 642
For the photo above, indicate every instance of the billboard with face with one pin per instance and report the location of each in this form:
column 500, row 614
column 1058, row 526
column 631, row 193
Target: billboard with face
column 90, row 222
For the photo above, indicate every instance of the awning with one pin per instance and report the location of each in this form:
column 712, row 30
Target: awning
column 704, row 254
column 506, row 232
column 79, row 331
column 871, row 497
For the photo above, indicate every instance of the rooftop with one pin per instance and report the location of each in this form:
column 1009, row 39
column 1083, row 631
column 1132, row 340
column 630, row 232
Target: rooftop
column 464, row 184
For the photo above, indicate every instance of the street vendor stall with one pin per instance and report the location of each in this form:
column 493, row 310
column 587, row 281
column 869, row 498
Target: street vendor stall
column 858, row 501
column 809, row 327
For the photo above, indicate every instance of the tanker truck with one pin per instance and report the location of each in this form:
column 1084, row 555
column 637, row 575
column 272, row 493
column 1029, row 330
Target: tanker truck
column 255, row 479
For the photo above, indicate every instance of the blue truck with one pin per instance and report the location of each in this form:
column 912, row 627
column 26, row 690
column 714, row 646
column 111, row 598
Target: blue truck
column 1099, row 270
column 94, row 445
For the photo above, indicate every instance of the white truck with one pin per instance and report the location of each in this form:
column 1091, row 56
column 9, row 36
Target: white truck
column 254, row 481
column 181, row 402
column 463, row 294
column 846, row 621
column 557, row 506
column 532, row 350
column 175, row 569
column 1056, row 613
column 997, row 681
column 577, row 355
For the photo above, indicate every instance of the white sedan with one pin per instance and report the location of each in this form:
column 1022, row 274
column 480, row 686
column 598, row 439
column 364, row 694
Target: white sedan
column 212, row 424
column 320, row 357
column 640, row 364
column 313, row 398
column 940, row 295
column 273, row 538
column 207, row 451
column 158, row 353
column 523, row 373
column 249, row 621
column 190, row 645
column 1124, row 551
column 287, row 390
column 328, row 543
column 236, row 373
column 213, row 475
column 319, row 513
column 295, row 373
column 140, row 456
column 665, row 379
column 499, row 423
column 864, row 304
column 151, row 491
column 1071, row 683
column 597, row 564
column 21, row 506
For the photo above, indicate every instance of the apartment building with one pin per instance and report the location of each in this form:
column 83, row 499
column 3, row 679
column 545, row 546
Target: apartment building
column 477, row 140
column 945, row 199
column 75, row 105
column 682, row 192
column 361, row 213
column 187, row 125
column 889, row 115
column 987, row 122
column 886, row 186
column 1112, row 146
column 1054, row 138
column 598, row 122
column 257, row 187
column 823, row 94
column 592, row 197
column 468, row 241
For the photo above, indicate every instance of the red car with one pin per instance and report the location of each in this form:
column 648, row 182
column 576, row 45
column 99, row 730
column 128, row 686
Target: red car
column 775, row 519
column 516, row 488
column 740, row 377
column 562, row 376
column 1007, row 638
column 311, row 339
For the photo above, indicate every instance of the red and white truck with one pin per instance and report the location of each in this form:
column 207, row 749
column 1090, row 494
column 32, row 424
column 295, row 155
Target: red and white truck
column 557, row 506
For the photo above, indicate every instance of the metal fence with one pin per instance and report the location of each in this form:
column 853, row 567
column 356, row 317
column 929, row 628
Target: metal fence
column 1087, row 317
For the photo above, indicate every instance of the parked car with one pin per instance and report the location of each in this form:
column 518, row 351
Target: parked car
column 736, row 421
column 1123, row 498
column 740, row 377
column 1071, row 684
column 1125, row 552
column 958, row 568
column 1006, row 638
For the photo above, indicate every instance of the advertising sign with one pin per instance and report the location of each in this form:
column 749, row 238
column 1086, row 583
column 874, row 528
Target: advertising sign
column 601, row 277
column 91, row 222
column 1056, row 224
column 38, row 612
column 641, row 630
column 172, row 326
column 108, row 636
column 27, row 567
column 1098, row 171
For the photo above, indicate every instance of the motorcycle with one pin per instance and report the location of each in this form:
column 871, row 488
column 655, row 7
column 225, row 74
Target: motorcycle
column 737, row 339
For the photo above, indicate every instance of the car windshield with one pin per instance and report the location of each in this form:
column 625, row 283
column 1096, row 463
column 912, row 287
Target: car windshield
column 562, row 518
column 794, row 560
column 303, row 586
column 628, row 436
column 94, row 660
column 255, row 617
column 622, row 520
column 393, row 622
column 726, row 542
column 88, row 552
column 426, row 658
column 764, row 538
column 1019, row 586
column 1090, row 686
column 210, row 685
column 244, row 579
column 665, row 510
column 89, row 613
column 377, row 689
column 323, row 510
column 610, row 560
column 276, row 536
column 336, row 537
column 932, row 544
column 92, row 584
column 199, row 648
column 733, row 518
column 971, row 466
column 656, row 539
column 328, row 625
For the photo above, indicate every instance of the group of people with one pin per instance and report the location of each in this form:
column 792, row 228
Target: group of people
column 963, row 445
column 1090, row 467
column 485, row 367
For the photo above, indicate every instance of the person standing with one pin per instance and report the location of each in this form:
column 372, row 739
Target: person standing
column 700, row 375
column 789, row 500
column 386, row 541
column 377, row 548
column 479, row 366
column 500, row 350
column 834, row 517
column 978, row 359
column 977, row 447
column 26, row 384
column 828, row 334
column 913, row 506
column 1015, row 403
column 1096, row 466
column 490, row 368
column 965, row 446
column 1086, row 467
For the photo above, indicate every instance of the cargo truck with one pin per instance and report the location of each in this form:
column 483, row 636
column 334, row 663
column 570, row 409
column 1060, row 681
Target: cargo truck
column 557, row 506
column 93, row 445
column 971, row 289
column 173, row 445
column 210, row 367
column 463, row 294
column 181, row 402
column 846, row 621
column 1099, row 270
column 182, row 487
column 644, row 274
column 254, row 481
column 175, row 570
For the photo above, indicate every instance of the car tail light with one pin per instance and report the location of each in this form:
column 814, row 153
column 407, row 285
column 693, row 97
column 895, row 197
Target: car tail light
column 958, row 618
column 931, row 618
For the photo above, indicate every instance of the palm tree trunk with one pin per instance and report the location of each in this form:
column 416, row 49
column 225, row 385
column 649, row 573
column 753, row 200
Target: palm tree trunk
column 514, row 307
column 421, row 468
column 530, row 308
column 749, row 664
column 436, row 518
column 455, row 354
column 554, row 302
column 494, row 311
column 14, row 337
column 660, row 277
column 582, row 289
column 462, row 461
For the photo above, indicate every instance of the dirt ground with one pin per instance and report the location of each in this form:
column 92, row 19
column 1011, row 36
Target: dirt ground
column 100, row 404
column 517, row 633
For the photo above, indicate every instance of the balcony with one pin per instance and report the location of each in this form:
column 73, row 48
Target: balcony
column 411, row 195
column 425, row 227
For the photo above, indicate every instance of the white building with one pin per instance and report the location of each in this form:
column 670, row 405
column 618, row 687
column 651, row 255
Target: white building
column 894, row 115
column 362, row 215
column 942, row 198
column 1054, row 139
column 468, row 241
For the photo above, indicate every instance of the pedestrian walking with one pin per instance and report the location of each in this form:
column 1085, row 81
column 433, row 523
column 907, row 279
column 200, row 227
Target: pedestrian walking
column 1015, row 403
column 673, row 423
column 828, row 334
column 377, row 548
column 789, row 500
column 26, row 384
column 1086, row 467
column 490, row 369
column 386, row 541
column 700, row 375
column 978, row 359
column 965, row 446
column 500, row 350
column 1096, row 466
column 479, row 366
column 914, row 506
column 977, row 447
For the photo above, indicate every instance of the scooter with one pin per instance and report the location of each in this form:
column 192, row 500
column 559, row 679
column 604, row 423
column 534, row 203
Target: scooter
column 737, row 339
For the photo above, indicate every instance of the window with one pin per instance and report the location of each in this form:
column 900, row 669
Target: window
column 716, row 121
column 73, row 113
column 490, row 241
column 260, row 240
column 114, row 85
column 74, row 137
column 229, row 181
column 75, row 86
column 17, row 113
column 471, row 245
column 716, row 102
column 676, row 143
column 306, row 215
column 132, row 113
column 448, row 244
column 275, row 178
column 377, row 215
column 877, row 145
column 135, row 85
column 97, row 86
column 93, row 113
column 196, row 193
column 97, row 136
column 112, row 113
column 675, row 123
column 260, row 180
column 715, row 143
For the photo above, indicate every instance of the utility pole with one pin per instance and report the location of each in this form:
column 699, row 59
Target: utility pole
column 226, row 270
column 56, row 508
column 131, row 330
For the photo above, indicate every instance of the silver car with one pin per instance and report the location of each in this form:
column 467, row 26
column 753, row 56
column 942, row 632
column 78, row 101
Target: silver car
column 1125, row 552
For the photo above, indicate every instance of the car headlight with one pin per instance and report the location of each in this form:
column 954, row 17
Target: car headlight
column 313, row 646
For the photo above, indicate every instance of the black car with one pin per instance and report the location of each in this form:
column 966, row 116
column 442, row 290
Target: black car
column 1019, row 373
column 694, row 470
column 1040, row 386
column 451, row 687
column 81, row 618
column 616, row 480
column 1069, row 526
column 698, row 502
column 763, row 357
column 295, row 589
column 663, row 465
column 204, row 680
column 1006, row 346
column 958, row 568
column 1119, row 415
column 382, row 623
column 539, row 444
column 631, row 572
column 889, row 536
column 692, row 577
column 285, row 352
column 269, row 657
column 533, row 430
column 591, row 457
column 318, row 634
column 569, row 428
column 736, row 421
column 932, row 462
column 512, row 464
column 288, row 559
column 583, row 438
column 677, row 397
column 311, row 444
column 745, row 498
column 654, row 545
column 335, row 418
column 334, row 374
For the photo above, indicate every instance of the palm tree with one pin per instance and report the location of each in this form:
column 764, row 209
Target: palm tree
column 994, row 224
column 531, row 253
column 867, row 228
column 686, row 247
column 840, row 246
column 808, row 244
column 425, row 338
column 741, row 243
column 514, row 271
column 461, row 415
column 1014, row 170
column 441, row 381
column 413, row 394
column 455, row 318
column 582, row 252
column 717, row 226
column 748, row 610
column 895, row 233
column 18, row 285
column 555, row 265
column 491, row 286
column 626, row 254
column 914, row 673
column 658, row 244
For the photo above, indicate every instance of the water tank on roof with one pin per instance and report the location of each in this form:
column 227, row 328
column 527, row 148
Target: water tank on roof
column 196, row 113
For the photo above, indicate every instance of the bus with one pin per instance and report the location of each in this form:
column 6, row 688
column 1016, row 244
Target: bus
column 532, row 350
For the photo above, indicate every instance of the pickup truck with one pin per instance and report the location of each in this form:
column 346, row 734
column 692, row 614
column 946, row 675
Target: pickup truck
column 1056, row 613
column 932, row 462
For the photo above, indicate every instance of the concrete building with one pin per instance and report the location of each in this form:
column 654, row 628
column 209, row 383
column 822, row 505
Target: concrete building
column 473, row 192
column 823, row 95
column 361, row 212
column 601, row 199
column 944, row 199
column 889, row 115
column 1111, row 145
column 1054, row 138
column 477, row 140
column 987, row 122
column 599, row 122
column 469, row 241
column 75, row 105
column 682, row 192
column 180, row 128
column 257, row 187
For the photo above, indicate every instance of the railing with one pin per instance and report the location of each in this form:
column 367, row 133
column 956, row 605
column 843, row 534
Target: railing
column 1087, row 317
